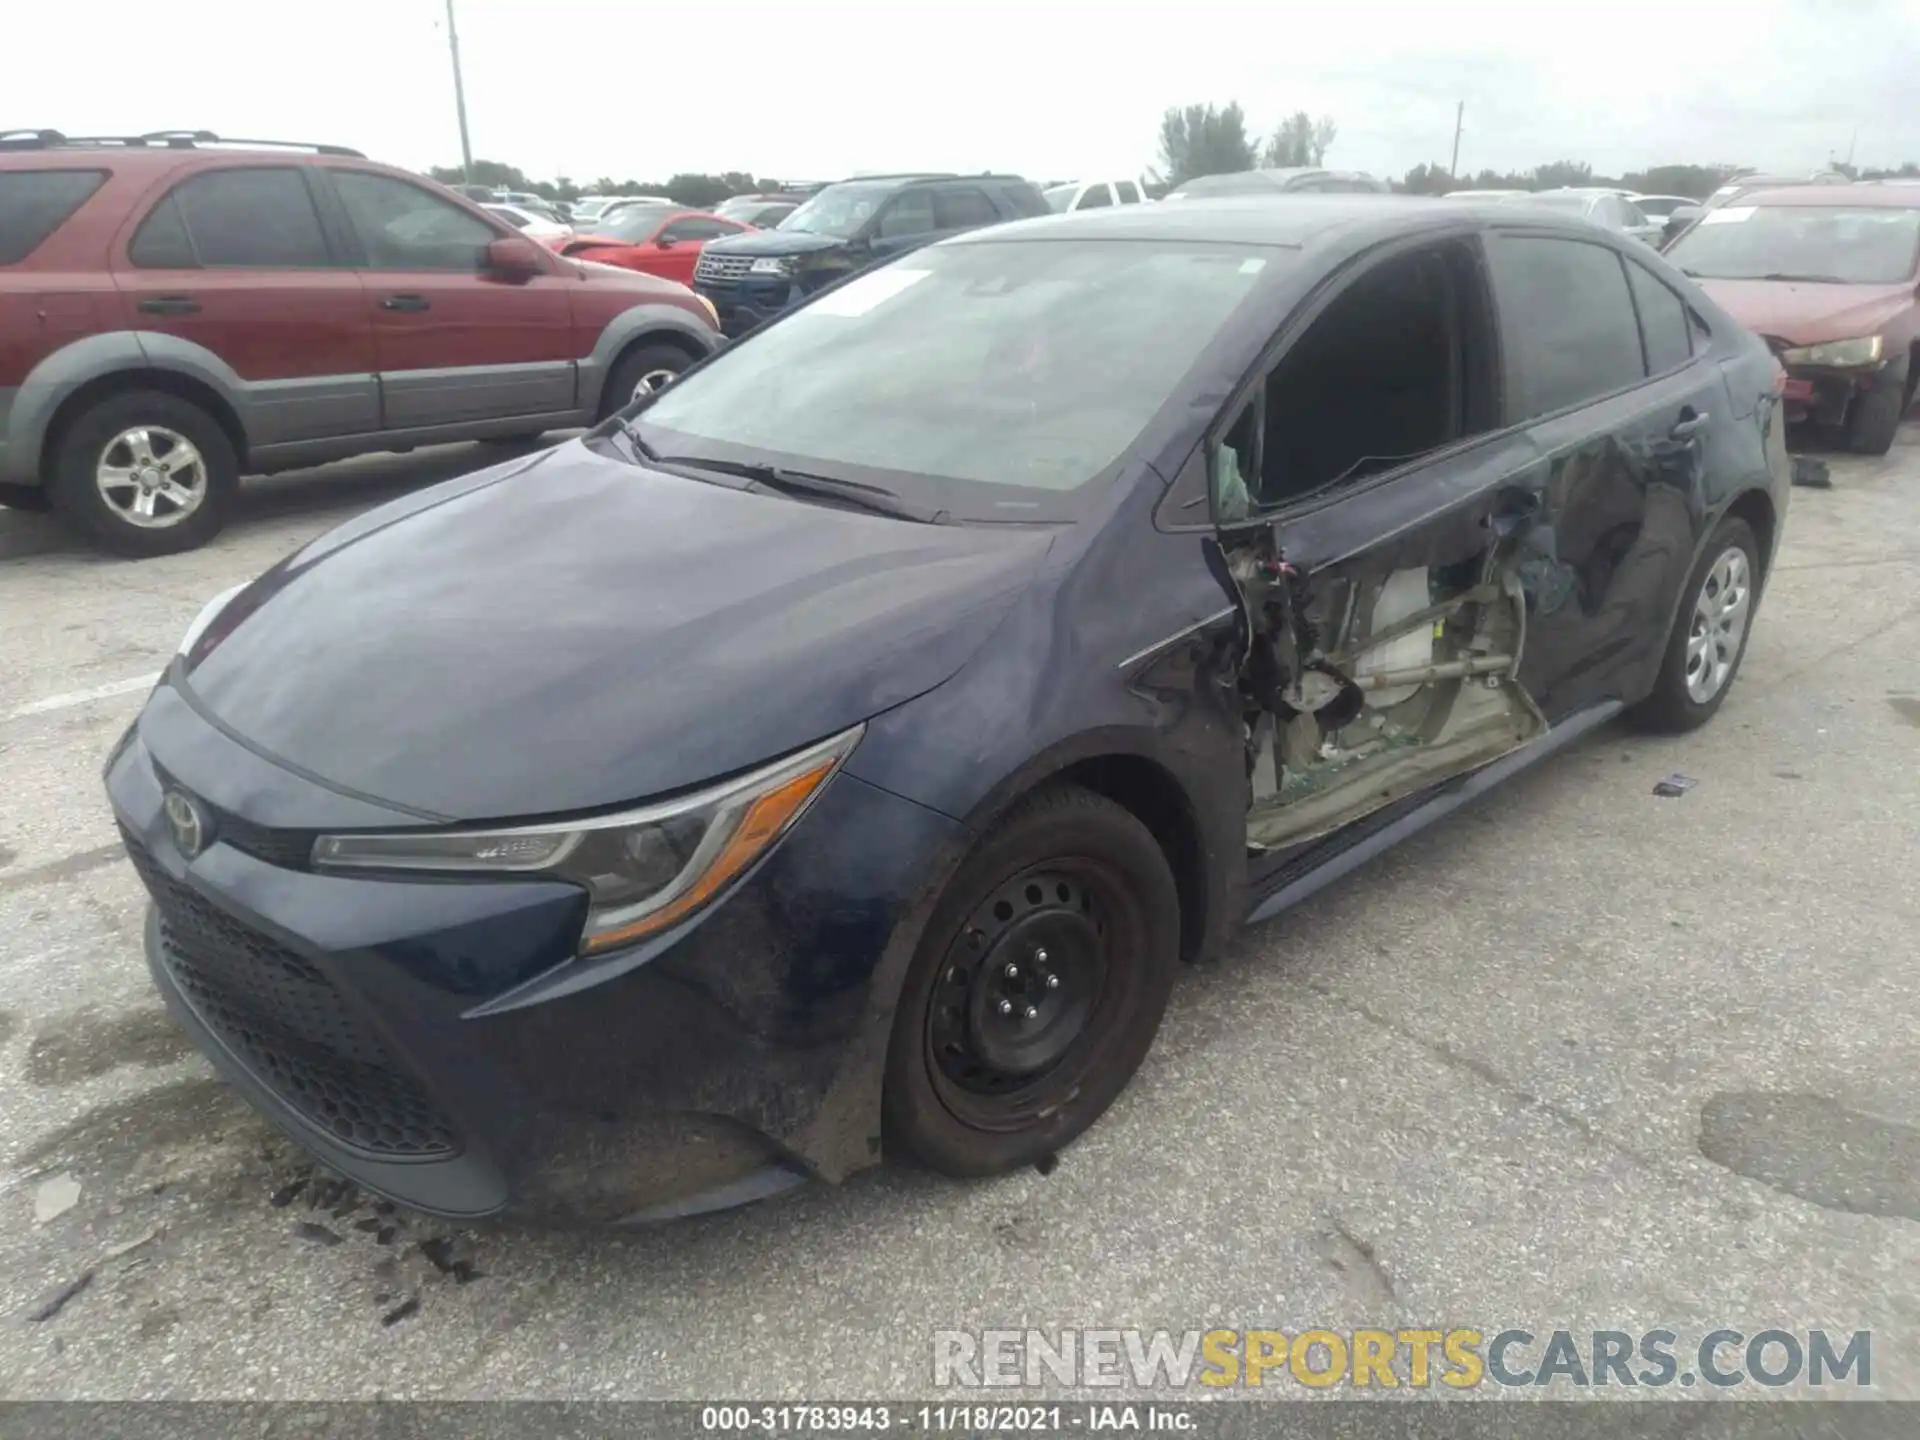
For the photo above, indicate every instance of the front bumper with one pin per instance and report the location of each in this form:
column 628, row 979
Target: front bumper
column 438, row 1043
column 1825, row 395
column 751, row 301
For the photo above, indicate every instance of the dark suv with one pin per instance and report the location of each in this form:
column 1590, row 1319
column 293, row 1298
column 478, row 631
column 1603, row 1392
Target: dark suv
column 175, row 309
column 847, row 227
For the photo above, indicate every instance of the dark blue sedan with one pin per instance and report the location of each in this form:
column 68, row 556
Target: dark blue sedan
column 834, row 757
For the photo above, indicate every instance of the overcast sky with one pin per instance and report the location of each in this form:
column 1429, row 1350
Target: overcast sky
column 810, row 89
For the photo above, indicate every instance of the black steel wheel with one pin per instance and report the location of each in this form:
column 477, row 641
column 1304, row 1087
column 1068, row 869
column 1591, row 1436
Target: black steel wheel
column 1037, row 989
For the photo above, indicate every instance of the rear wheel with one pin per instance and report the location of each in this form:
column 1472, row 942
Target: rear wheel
column 1709, row 637
column 639, row 373
column 144, row 473
column 1037, row 988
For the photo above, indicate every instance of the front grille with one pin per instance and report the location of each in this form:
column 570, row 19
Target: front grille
column 289, row 1026
column 722, row 269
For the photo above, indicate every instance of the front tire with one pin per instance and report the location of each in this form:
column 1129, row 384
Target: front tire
column 640, row 372
column 1709, row 634
column 1874, row 420
column 1036, row 990
column 144, row 473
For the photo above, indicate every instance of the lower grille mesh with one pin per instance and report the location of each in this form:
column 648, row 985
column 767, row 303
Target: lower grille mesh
column 289, row 1026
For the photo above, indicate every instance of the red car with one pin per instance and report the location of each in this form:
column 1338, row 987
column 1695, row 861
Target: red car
column 176, row 310
column 667, row 244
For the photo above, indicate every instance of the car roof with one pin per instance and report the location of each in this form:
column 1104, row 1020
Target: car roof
column 1864, row 197
column 1290, row 221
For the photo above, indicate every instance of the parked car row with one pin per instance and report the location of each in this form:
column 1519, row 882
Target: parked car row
column 175, row 309
column 891, row 705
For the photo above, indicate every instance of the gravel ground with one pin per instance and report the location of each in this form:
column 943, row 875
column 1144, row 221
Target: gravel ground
column 1580, row 1057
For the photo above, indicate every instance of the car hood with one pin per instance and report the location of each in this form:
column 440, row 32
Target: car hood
column 577, row 632
column 1808, row 314
column 774, row 242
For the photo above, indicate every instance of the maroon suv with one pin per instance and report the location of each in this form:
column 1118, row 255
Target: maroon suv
column 175, row 309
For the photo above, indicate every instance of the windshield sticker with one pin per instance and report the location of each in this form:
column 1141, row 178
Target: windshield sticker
column 857, row 297
column 1727, row 215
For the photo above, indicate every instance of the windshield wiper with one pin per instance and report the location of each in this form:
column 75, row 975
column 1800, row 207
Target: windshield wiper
column 1809, row 279
column 812, row 487
column 631, row 432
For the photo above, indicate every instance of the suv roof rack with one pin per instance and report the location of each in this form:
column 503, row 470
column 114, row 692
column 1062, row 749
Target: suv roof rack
column 157, row 140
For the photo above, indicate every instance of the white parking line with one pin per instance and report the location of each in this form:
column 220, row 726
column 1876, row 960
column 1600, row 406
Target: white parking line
column 80, row 697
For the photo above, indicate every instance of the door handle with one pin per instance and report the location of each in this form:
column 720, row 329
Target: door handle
column 1691, row 422
column 170, row 305
column 405, row 302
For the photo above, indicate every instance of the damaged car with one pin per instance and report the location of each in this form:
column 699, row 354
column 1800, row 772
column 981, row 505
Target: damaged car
column 834, row 756
column 1829, row 276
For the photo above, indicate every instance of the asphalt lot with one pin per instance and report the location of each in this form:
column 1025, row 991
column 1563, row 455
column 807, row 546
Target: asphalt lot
column 1522, row 1072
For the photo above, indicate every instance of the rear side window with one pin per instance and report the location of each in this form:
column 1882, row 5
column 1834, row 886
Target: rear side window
column 1567, row 323
column 248, row 219
column 959, row 209
column 1095, row 198
column 1129, row 192
column 1663, row 321
column 35, row 203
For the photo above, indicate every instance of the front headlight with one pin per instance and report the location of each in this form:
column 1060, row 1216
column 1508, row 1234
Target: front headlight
column 1865, row 351
column 209, row 613
column 772, row 265
column 645, row 870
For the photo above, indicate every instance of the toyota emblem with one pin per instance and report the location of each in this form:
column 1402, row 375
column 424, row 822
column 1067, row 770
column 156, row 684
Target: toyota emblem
column 189, row 826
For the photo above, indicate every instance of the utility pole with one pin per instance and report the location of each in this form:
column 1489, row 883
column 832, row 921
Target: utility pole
column 1459, row 113
column 459, row 99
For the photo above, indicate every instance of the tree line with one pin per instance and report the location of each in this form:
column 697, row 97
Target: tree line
column 1200, row 140
column 695, row 191
column 1195, row 140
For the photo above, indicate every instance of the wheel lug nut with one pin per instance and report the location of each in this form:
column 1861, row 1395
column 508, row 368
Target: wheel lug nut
column 1039, row 957
column 1031, row 1013
column 1013, row 972
column 1006, row 1007
column 1053, row 982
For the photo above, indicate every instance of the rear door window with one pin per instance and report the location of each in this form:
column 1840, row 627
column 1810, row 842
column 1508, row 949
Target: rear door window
column 243, row 218
column 1567, row 323
column 962, row 210
column 1129, row 192
column 1663, row 321
column 35, row 203
column 1095, row 198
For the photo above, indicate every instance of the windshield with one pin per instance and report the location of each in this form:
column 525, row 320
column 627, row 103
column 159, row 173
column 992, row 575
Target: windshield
column 1814, row 242
column 838, row 210
column 1025, row 367
column 1058, row 197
